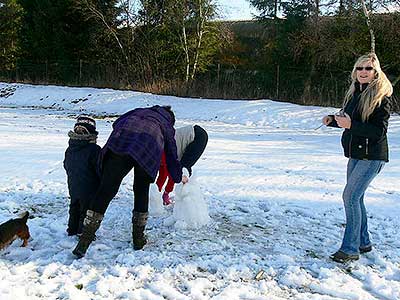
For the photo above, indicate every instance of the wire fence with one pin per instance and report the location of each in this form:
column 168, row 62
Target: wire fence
column 76, row 73
column 275, row 82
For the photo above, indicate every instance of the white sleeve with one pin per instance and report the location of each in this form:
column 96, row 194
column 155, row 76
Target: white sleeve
column 185, row 172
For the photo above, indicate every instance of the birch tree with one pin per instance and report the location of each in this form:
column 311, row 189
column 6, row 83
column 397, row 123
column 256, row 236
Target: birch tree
column 191, row 22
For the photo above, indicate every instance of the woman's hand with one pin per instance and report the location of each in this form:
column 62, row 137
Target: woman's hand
column 185, row 179
column 326, row 120
column 343, row 121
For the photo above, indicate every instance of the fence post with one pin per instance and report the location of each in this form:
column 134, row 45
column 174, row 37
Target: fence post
column 47, row 71
column 80, row 71
column 277, row 82
column 218, row 70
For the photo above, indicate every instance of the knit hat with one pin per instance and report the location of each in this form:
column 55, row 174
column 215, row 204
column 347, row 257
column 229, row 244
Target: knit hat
column 85, row 125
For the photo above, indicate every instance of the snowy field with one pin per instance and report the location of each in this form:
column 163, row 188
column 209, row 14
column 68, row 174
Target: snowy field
column 272, row 183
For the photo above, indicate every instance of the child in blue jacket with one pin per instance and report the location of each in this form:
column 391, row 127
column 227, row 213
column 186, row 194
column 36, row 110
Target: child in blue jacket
column 80, row 163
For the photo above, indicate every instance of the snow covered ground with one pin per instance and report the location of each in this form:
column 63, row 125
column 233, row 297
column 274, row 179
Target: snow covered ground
column 272, row 182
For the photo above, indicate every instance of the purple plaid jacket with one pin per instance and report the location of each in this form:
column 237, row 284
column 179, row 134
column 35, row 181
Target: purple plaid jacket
column 143, row 134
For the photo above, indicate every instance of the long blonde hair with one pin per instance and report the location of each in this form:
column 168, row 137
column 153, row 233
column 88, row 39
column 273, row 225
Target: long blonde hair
column 377, row 89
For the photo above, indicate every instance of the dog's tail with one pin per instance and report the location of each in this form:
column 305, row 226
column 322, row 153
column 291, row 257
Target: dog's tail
column 24, row 216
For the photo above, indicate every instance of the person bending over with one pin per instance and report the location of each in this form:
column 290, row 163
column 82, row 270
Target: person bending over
column 190, row 142
column 137, row 141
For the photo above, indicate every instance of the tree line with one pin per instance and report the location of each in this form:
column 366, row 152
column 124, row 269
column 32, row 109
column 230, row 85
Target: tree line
column 297, row 50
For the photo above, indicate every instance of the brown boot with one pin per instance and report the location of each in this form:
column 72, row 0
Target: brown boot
column 139, row 221
column 90, row 225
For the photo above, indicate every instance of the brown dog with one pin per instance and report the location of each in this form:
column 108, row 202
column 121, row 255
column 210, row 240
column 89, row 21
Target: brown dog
column 12, row 229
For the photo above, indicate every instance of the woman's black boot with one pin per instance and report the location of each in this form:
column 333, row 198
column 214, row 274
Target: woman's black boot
column 90, row 225
column 139, row 221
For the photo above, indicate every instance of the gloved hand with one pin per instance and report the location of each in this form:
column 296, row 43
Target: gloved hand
column 166, row 199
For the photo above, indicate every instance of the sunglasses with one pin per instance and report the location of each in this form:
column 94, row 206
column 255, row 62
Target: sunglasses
column 364, row 68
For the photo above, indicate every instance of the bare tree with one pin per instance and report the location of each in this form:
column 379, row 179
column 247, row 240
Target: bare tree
column 93, row 10
column 368, row 21
column 192, row 19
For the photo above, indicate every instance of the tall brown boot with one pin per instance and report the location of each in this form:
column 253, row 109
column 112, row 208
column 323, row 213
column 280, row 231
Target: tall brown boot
column 90, row 225
column 139, row 221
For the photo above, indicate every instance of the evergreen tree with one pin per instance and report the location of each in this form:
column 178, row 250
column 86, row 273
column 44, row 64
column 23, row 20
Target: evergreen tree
column 10, row 24
column 57, row 34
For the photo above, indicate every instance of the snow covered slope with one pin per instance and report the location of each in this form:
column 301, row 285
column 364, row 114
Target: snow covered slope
column 272, row 183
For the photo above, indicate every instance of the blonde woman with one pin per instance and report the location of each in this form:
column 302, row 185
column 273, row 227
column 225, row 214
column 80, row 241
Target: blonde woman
column 364, row 117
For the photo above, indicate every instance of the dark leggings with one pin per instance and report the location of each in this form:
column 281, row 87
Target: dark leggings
column 195, row 149
column 115, row 168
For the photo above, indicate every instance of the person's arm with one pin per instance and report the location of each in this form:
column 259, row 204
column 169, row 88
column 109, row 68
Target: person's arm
column 65, row 161
column 93, row 160
column 195, row 149
column 377, row 123
column 171, row 157
column 162, row 173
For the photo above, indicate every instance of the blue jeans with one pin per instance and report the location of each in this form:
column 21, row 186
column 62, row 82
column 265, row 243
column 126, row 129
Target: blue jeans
column 360, row 173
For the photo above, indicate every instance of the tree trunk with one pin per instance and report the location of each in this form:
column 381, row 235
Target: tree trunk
column 371, row 31
column 200, row 32
column 186, row 50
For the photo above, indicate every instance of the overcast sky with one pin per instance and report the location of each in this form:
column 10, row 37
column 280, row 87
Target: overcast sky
column 235, row 9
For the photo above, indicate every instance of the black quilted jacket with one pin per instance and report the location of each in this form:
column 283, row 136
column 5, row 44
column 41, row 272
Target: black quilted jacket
column 81, row 165
column 366, row 140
